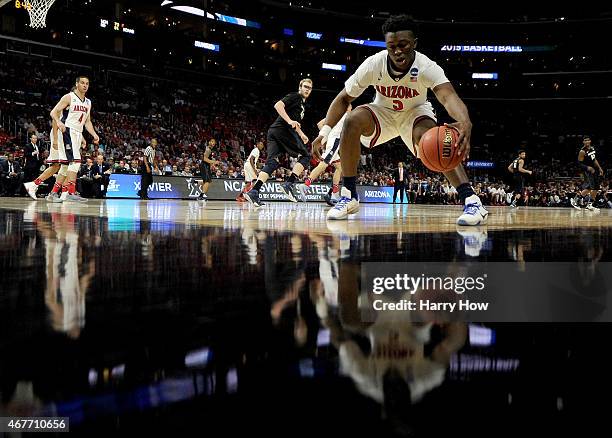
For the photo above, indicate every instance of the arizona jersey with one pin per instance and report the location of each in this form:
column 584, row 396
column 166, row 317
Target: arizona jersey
column 394, row 346
column 399, row 93
column 75, row 116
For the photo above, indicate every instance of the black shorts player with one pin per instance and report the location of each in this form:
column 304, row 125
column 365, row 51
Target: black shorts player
column 205, row 172
column 205, row 169
column 591, row 172
column 518, row 183
column 285, row 136
column 282, row 140
column 518, row 176
column 282, row 137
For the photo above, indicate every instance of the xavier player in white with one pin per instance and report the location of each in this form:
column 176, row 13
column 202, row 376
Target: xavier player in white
column 401, row 77
column 330, row 156
column 250, row 170
column 71, row 114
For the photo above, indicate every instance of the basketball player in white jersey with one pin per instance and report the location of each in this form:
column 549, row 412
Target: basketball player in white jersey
column 396, row 363
column 55, row 166
column 330, row 157
column 250, row 170
column 71, row 114
column 68, row 278
column 401, row 77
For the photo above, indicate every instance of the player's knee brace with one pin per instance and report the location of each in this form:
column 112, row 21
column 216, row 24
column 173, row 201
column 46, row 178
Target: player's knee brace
column 63, row 170
column 74, row 167
column 270, row 166
column 304, row 161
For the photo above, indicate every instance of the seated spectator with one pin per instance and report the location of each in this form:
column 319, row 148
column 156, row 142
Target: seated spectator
column 11, row 176
column 187, row 171
column 133, row 167
column 166, row 168
column 101, row 175
column 85, row 181
column 122, row 167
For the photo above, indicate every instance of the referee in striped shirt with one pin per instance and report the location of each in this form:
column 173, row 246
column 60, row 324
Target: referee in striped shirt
column 146, row 170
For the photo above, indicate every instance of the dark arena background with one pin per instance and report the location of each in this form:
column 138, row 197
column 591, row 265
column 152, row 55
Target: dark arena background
column 211, row 308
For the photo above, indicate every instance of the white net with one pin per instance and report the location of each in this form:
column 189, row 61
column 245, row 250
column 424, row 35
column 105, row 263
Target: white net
column 38, row 12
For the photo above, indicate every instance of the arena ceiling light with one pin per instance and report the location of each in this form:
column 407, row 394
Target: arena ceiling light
column 363, row 42
column 336, row 67
column 166, row 2
column 193, row 11
column 493, row 76
column 207, row 46
column 314, row 35
column 237, row 21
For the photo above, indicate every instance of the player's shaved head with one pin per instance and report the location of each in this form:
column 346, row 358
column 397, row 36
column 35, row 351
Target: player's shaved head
column 400, row 23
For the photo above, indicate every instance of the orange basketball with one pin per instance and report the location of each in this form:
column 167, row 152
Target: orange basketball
column 438, row 151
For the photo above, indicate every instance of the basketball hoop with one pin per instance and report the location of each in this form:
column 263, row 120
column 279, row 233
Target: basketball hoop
column 38, row 11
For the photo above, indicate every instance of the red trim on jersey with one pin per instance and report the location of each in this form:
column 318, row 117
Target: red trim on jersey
column 418, row 119
column 377, row 126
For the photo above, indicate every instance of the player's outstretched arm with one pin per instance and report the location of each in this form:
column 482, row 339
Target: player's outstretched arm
column 448, row 97
column 601, row 172
column 302, row 135
column 53, row 134
column 335, row 112
column 89, row 127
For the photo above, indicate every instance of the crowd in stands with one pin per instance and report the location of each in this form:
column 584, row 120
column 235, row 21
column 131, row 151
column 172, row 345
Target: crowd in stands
column 129, row 110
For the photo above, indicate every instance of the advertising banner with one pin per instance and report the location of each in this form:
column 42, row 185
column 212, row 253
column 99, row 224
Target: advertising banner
column 180, row 187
